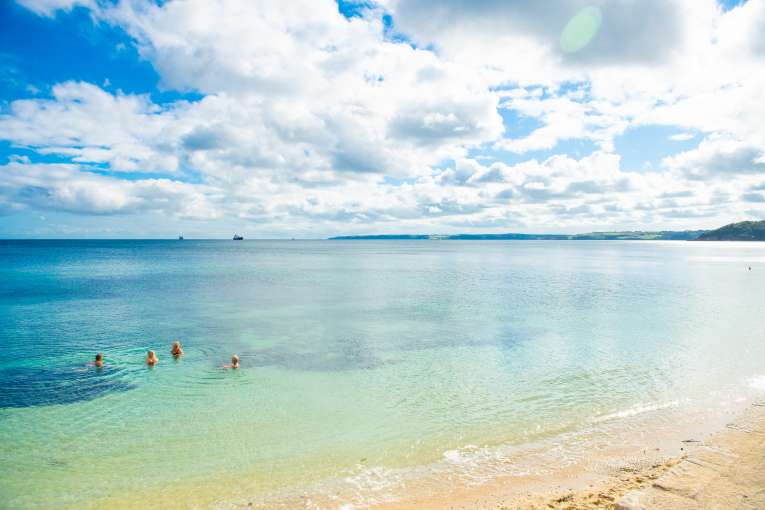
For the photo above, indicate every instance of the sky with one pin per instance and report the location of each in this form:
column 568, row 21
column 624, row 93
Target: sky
column 313, row 118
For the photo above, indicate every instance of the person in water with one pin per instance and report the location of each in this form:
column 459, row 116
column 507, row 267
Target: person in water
column 234, row 362
column 99, row 363
column 151, row 358
column 177, row 350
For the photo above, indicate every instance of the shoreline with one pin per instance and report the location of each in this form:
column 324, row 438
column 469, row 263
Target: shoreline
column 585, row 470
column 724, row 470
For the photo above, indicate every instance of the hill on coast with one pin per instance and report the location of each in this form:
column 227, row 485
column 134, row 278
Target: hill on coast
column 632, row 235
column 742, row 231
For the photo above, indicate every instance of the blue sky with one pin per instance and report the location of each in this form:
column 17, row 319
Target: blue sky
column 130, row 118
column 39, row 51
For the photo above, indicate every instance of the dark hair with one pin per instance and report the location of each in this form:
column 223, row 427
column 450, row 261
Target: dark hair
column 99, row 356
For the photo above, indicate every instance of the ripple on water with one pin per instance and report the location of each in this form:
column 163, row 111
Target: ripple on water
column 26, row 387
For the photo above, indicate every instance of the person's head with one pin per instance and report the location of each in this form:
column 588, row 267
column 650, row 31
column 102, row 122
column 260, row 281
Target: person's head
column 151, row 354
column 99, row 357
column 234, row 359
column 176, row 345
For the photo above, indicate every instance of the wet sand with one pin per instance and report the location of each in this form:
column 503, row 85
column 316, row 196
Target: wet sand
column 724, row 471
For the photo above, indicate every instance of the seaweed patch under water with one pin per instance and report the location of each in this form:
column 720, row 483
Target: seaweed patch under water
column 27, row 387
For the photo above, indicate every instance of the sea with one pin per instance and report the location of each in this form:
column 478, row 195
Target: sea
column 369, row 369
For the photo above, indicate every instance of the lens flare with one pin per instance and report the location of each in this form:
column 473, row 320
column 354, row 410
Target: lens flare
column 580, row 29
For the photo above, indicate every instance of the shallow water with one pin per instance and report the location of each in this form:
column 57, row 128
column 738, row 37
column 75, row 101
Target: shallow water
column 362, row 361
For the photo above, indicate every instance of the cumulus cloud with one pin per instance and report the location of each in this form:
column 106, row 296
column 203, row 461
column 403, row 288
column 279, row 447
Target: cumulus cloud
column 62, row 187
column 719, row 157
column 89, row 125
column 469, row 120
column 312, row 121
column 631, row 30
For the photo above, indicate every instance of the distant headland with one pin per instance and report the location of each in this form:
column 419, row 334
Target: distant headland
column 742, row 231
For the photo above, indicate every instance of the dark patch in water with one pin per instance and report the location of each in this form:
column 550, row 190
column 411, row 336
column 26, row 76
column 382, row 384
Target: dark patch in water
column 354, row 353
column 56, row 463
column 348, row 355
column 509, row 337
column 27, row 387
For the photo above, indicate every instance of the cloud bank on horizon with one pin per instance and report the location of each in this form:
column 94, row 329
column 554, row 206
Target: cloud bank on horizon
column 312, row 117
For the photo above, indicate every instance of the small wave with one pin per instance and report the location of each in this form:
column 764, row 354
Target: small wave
column 458, row 456
column 475, row 465
column 635, row 410
column 372, row 486
column 757, row 382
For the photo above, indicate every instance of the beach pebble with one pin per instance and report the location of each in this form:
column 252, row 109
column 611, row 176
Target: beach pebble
column 630, row 501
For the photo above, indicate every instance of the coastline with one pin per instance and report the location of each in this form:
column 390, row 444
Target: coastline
column 579, row 470
column 726, row 469
column 657, row 458
column 664, row 458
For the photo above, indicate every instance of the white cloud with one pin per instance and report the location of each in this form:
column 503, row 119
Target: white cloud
column 641, row 31
column 83, row 122
column 719, row 157
column 67, row 188
column 311, row 120
column 49, row 7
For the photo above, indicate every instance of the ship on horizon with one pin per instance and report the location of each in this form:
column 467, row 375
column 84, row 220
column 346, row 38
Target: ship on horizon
column 237, row 237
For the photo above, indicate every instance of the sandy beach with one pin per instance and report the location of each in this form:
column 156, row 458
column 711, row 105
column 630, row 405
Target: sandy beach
column 725, row 470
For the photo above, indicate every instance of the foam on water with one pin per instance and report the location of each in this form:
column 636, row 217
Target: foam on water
column 635, row 410
column 757, row 382
column 622, row 441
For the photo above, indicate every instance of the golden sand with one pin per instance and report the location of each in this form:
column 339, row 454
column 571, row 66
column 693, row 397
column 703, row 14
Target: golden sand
column 725, row 471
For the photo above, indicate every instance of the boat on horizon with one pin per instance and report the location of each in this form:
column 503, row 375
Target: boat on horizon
column 237, row 237
column 180, row 237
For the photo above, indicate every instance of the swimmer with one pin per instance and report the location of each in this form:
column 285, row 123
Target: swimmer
column 234, row 362
column 99, row 363
column 151, row 358
column 177, row 350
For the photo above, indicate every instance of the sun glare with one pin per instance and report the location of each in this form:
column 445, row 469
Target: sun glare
column 581, row 29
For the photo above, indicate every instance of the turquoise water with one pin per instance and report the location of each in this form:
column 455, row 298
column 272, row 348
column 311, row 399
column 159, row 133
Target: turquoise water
column 362, row 361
